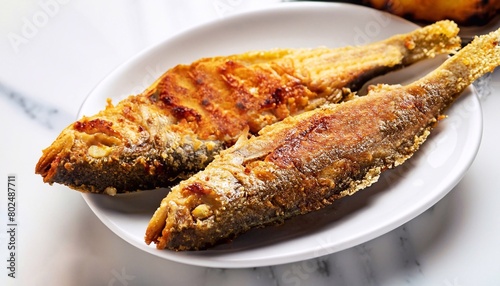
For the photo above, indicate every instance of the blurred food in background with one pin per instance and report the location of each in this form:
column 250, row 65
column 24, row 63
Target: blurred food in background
column 463, row 12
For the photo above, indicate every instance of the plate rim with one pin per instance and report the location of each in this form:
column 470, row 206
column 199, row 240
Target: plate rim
column 296, row 256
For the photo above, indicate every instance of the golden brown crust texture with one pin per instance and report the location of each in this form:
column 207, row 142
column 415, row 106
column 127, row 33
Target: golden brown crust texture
column 192, row 112
column 306, row 162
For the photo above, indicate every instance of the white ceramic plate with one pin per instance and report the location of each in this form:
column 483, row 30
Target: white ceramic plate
column 400, row 195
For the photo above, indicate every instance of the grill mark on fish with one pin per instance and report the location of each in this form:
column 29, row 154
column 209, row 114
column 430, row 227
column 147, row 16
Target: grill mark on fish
column 306, row 162
column 192, row 112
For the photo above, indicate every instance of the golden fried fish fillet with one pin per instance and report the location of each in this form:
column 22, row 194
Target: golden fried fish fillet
column 192, row 112
column 306, row 162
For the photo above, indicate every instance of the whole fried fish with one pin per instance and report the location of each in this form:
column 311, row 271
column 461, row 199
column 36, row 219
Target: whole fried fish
column 306, row 162
column 177, row 126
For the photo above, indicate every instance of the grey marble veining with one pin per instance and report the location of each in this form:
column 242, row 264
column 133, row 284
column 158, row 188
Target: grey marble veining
column 41, row 112
column 454, row 243
column 374, row 263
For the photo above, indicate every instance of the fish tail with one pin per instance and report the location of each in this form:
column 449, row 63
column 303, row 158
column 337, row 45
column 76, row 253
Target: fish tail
column 479, row 57
column 429, row 41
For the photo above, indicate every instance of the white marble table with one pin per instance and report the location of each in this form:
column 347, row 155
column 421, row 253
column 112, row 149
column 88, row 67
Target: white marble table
column 53, row 52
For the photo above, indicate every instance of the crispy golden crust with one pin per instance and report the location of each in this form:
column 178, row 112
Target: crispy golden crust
column 192, row 112
column 308, row 161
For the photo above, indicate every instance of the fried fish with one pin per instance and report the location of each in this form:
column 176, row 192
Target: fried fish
column 306, row 162
column 192, row 112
